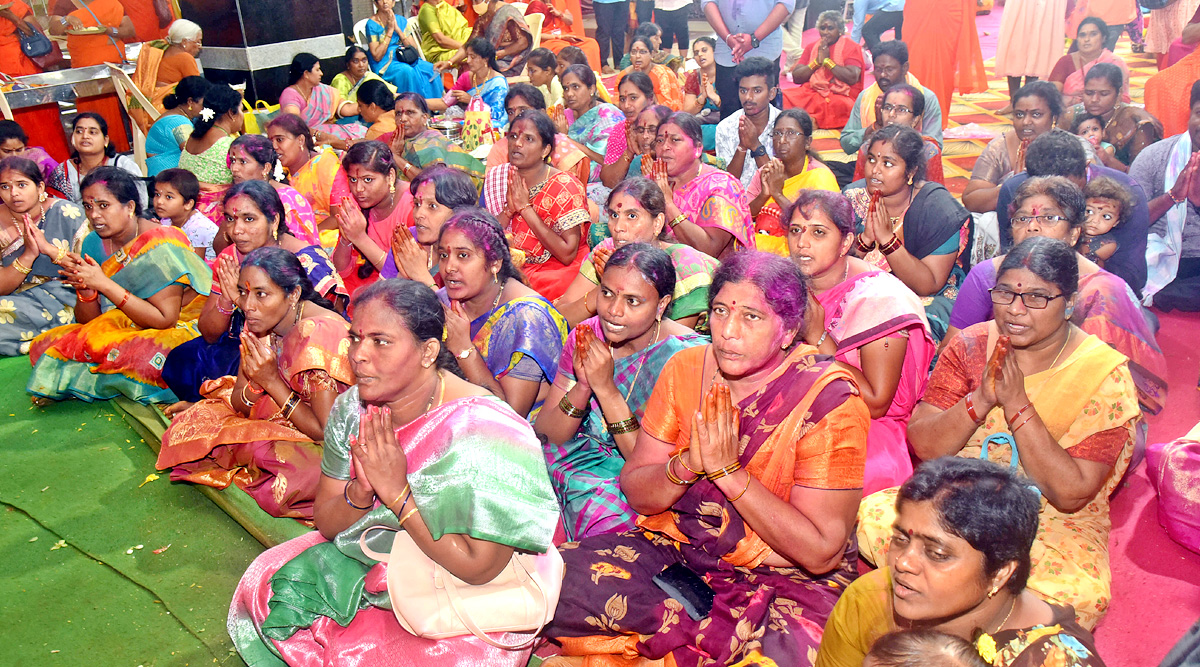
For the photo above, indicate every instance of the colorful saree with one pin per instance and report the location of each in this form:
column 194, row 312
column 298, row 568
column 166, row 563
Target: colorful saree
column 42, row 301
column 804, row 427
column 693, row 275
column 349, row 89
column 1071, row 77
column 1106, row 308
column 586, row 469
column 934, row 224
column 165, row 141
column 212, row 170
column 418, row 77
column 864, row 309
column 110, row 356
column 715, row 198
column 827, row 98
column 561, row 202
column 503, row 28
column 566, row 157
column 432, row 147
column 298, row 215
column 865, row 613
column 527, row 327
column 667, row 90
column 320, row 111
column 1089, row 405
column 475, row 468
column 197, row 361
column 210, row 443
column 323, row 183
column 445, row 18
column 592, row 130
column 770, row 216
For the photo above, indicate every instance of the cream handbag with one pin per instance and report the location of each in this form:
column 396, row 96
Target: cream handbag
column 430, row 602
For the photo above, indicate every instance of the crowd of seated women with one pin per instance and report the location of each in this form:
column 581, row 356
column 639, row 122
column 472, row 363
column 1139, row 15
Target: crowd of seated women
column 611, row 344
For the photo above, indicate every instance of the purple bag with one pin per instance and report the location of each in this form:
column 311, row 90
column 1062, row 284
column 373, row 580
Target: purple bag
column 1174, row 469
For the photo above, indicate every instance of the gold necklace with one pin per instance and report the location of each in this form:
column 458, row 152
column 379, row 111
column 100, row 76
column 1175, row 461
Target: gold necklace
column 439, row 392
column 1009, row 615
column 657, row 328
column 1070, row 332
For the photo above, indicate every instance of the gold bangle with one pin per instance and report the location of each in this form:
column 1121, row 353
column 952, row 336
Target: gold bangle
column 677, row 220
column 21, row 268
column 62, row 252
column 676, row 479
column 624, row 426
column 698, row 473
column 724, row 472
column 569, row 408
column 405, row 517
column 749, row 478
column 290, row 406
column 403, row 494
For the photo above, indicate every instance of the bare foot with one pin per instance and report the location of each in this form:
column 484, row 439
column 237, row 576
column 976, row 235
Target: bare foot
column 175, row 408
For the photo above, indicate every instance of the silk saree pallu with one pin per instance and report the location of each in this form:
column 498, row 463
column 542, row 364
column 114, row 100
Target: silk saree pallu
column 527, row 326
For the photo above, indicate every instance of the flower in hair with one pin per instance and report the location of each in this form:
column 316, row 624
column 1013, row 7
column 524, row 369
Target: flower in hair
column 207, row 114
column 278, row 174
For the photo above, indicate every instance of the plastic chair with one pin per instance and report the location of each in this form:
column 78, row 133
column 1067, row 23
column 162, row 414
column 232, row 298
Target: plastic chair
column 535, row 21
column 360, row 32
column 520, row 6
column 412, row 30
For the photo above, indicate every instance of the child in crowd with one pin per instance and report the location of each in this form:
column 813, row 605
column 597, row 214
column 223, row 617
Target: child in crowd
column 1109, row 205
column 542, row 68
column 922, row 648
column 1092, row 128
column 175, row 195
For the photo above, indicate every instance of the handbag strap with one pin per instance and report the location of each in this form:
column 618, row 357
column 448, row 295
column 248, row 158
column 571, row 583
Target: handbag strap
column 465, row 617
column 80, row 5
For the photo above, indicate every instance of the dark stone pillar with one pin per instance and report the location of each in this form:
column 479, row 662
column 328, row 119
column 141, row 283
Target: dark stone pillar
column 253, row 41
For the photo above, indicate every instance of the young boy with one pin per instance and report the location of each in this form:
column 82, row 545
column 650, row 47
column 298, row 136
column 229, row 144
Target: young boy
column 175, row 194
column 1109, row 205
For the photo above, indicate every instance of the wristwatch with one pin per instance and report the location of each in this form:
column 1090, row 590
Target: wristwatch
column 754, row 43
column 759, row 152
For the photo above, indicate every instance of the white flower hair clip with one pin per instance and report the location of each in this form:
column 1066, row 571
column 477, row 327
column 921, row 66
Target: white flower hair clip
column 207, row 114
column 279, row 175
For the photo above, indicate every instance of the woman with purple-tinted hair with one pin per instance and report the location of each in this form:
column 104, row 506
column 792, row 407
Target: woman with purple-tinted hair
column 507, row 337
column 747, row 471
column 867, row 319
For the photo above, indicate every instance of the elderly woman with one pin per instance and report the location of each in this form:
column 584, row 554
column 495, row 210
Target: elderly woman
column 637, row 214
column 1055, row 208
column 437, row 192
column 1071, row 69
column 794, row 169
column 507, row 337
column 1129, row 129
column 868, row 320
column 293, row 354
column 707, row 208
column 254, row 219
column 385, row 37
column 417, row 146
column 543, row 208
column 37, row 231
column 161, row 65
column 152, row 284
column 748, row 471
column 503, row 26
column 983, row 520
column 829, row 73
column 628, row 338
column 467, row 487
column 481, row 79
column 909, row 226
column 1032, row 391
column 1168, row 172
column 318, row 104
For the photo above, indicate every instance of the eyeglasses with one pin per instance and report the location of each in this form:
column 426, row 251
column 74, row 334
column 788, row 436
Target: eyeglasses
column 1047, row 220
column 900, row 108
column 1003, row 297
column 786, row 134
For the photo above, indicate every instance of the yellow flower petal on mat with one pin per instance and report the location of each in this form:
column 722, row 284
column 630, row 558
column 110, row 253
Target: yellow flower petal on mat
column 149, row 478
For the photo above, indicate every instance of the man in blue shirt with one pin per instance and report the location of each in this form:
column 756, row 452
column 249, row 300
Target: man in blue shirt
column 885, row 15
column 744, row 28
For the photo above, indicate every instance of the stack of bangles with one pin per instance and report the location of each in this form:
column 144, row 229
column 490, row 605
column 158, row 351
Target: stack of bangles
column 569, row 408
column 1013, row 429
column 406, row 494
column 290, row 406
column 827, row 63
column 712, row 476
column 21, row 268
column 891, row 246
column 222, row 297
column 624, row 426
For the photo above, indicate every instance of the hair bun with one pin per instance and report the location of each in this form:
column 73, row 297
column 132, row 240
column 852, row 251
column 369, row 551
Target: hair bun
column 171, row 100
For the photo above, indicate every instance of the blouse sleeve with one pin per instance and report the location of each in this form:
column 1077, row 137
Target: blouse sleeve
column 340, row 428
column 1062, row 69
column 973, row 304
column 289, row 96
column 952, row 378
column 992, row 163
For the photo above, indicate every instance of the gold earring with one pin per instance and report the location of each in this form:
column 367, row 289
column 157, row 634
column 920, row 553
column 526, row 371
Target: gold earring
column 42, row 197
column 992, row 593
column 275, row 233
column 392, row 188
column 496, row 277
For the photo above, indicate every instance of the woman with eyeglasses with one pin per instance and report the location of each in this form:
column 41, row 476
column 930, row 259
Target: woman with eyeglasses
column 1033, row 391
column 1055, row 208
column 905, row 105
column 795, row 167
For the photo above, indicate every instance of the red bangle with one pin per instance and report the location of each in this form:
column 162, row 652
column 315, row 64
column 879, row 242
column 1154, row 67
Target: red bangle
column 79, row 295
column 891, row 246
column 971, row 409
column 1013, row 429
column 1019, row 413
column 124, row 299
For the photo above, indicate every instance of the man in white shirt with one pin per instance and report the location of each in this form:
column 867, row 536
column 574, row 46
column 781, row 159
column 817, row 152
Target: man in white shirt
column 744, row 137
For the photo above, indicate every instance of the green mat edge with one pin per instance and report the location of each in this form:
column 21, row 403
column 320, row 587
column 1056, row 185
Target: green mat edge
column 150, row 423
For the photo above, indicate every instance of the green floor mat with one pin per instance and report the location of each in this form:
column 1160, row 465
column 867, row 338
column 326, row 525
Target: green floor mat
column 150, row 423
column 76, row 472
